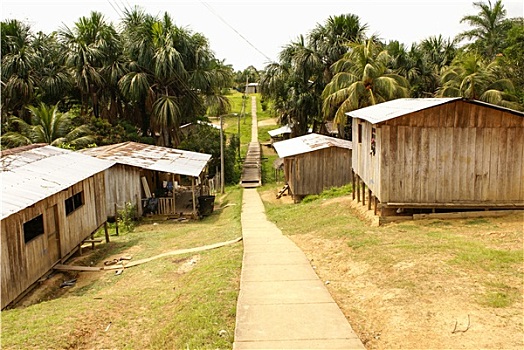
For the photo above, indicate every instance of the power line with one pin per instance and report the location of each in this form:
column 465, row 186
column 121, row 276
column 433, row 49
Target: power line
column 114, row 8
column 233, row 29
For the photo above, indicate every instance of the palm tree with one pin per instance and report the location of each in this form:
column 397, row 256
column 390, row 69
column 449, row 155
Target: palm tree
column 47, row 125
column 473, row 77
column 171, row 71
column 362, row 78
column 296, row 82
column 20, row 62
column 488, row 30
column 330, row 40
column 89, row 43
column 54, row 80
column 422, row 63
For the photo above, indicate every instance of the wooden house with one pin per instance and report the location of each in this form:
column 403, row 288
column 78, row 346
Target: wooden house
column 252, row 88
column 439, row 153
column 175, row 176
column 52, row 200
column 314, row 163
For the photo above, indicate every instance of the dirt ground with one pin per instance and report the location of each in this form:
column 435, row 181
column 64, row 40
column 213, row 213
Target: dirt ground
column 437, row 306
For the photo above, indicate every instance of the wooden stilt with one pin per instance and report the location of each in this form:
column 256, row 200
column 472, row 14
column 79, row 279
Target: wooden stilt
column 357, row 189
column 353, row 184
column 116, row 220
column 174, row 200
column 363, row 193
column 106, row 231
column 194, row 198
column 369, row 199
column 376, row 205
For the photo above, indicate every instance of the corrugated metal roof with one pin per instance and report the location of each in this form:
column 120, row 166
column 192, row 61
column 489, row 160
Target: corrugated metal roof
column 396, row 108
column 30, row 176
column 282, row 130
column 157, row 158
column 308, row 143
column 201, row 123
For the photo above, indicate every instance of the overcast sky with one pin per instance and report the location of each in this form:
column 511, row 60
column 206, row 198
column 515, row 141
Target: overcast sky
column 267, row 25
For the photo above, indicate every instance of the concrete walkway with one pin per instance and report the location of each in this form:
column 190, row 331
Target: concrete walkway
column 282, row 303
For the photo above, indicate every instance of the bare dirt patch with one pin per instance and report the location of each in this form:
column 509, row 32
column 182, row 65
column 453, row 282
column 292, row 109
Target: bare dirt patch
column 268, row 122
column 402, row 298
column 271, row 197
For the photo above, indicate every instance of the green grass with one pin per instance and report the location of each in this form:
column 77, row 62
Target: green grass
column 498, row 295
column 329, row 193
column 452, row 248
column 149, row 306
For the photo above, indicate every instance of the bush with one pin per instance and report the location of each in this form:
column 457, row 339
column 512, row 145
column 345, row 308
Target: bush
column 127, row 217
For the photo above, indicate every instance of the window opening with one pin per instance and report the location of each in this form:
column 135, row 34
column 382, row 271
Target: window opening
column 74, row 202
column 33, row 228
column 373, row 140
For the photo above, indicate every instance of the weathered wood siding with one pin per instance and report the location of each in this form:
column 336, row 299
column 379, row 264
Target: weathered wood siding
column 24, row 263
column 123, row 185
column 365, row 164
column 86, row 219
column 314, row 172
column 457, row 153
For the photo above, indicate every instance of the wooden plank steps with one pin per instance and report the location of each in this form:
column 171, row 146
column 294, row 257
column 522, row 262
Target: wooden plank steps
column 252, row 170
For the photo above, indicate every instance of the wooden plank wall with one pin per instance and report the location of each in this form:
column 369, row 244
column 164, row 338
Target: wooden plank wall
column 123, row 185
column 80, row 223
column 368, row 166
column 319, row 170
column 24, row 263
column 458, row 152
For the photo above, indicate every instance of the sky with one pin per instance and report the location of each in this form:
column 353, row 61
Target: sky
column 244, row 32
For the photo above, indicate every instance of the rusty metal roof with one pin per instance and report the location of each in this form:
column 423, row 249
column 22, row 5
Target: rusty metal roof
column 308, row 143
column 31, row 175
column 157, row 158
column 396, row 108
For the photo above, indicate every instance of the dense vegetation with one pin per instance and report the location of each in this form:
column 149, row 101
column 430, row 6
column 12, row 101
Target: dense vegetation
column 336, row 68
column 96, row 83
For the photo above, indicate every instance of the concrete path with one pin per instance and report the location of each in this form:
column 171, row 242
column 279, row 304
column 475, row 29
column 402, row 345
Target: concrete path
column 282, row 303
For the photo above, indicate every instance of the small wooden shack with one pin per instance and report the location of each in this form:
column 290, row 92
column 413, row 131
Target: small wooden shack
column 435, row 153
column 314, row 163
column 176, row 177
column 252, row 88
column 52, row 200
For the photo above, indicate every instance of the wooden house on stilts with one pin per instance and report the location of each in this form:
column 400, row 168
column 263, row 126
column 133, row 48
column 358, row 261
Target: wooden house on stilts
column 52, row 201
column 438, row 153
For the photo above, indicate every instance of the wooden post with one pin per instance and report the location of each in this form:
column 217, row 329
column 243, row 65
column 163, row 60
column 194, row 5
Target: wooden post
column 376, row 205
column 353, row 185
column 116, row 219
column 194, row 199
column 174, row 201
column 357, row 189
column 106, row 231
column 363, row 193
column 92, row 241
column 369, row 199
column 140, row 206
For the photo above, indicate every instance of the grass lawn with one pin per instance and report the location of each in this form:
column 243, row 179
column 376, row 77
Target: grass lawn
column 175, row 302
column 406, row 285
